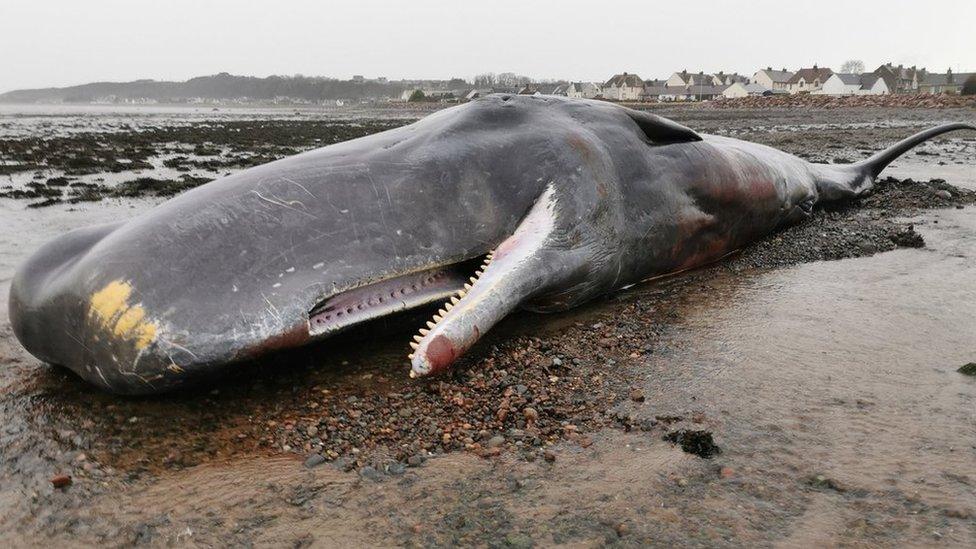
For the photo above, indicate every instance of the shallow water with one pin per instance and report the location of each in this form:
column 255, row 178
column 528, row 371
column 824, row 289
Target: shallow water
column 830, row 387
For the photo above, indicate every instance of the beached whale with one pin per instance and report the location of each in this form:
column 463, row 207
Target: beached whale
column 501, row 203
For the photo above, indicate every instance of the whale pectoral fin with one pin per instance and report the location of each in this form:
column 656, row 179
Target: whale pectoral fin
column 524, row 265
column 661, row 130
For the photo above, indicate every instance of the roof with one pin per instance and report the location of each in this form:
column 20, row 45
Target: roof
column 869, row 80
column 936, row 79
column 809, row 75
column 779, row 77
column 849, row 78
column 755, row 88
column 579, row 87
column 625, row 80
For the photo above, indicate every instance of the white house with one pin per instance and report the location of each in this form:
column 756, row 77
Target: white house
column 854, row 84
column 745, row 90
column 624, row 87
column 582, row 90
column 808, row 80
column 774, row 80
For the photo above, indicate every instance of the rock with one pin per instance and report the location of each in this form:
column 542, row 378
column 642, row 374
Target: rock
column 945, row 195
column 344, row 464
column 61, row 481
column 496, row 441
column 312, row 431
column 371, row 473
column 682, row 482
column 968, row 369
column 415, row 460
column 622, row 529
column 549, row 456
column 726, row 472
column 396, row 468
column 314, row 460
column 699, row 443
column 531, row 414
column 637, row 395
column 867, row 247
column 556, row 361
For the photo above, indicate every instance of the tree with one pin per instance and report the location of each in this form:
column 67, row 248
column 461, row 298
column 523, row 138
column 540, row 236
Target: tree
column 969, row 86
column 485, row 80
column 852, row 66
column 417, row 96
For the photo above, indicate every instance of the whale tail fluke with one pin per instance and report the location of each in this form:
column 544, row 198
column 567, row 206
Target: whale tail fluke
column 844, row 182
column 873, row 165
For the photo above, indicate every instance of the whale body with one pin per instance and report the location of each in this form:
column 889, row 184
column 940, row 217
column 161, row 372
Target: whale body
column 505, row 202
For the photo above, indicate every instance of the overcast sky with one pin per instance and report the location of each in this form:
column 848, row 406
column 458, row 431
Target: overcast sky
column 56, row 43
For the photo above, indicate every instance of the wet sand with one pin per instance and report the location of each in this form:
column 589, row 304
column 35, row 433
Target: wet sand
column 829, row 387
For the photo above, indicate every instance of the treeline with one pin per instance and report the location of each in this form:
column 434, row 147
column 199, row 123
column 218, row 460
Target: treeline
column 220, row 86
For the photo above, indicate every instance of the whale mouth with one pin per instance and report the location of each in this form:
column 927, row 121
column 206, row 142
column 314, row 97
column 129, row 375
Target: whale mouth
column 388, row 297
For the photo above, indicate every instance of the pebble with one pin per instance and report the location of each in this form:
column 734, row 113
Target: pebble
column 531, row 414
column 396, row 468
column 371, row 473
column 61, row 481
column 415, row 460
column 496, row 441
column 622, row 529
column 314, row 460
column 945, row 195
column 637, row 395
column 549, row 456
column 344, row 464
column 312, row 431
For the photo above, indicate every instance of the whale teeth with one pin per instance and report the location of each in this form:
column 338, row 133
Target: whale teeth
column 424, row 331
column 417, row 338
column 455, row 301
column 413, row 374
column 479, row 272
column 414, row 345
column 430, row 325
column 410, row 356
column 473, row 280
column 467, row 287
column 441, row 312
column 448, row 306
column 438, row 318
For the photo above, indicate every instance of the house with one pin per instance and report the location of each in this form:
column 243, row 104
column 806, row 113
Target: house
column 582, row 90
column 949, row 82
column 901, row 79
column 751, row 89
column 808, row 80
column 560, row 90
column 722, row 79
column 685, row 78
column 774, row 80
column 624, row 87
column 854, row 84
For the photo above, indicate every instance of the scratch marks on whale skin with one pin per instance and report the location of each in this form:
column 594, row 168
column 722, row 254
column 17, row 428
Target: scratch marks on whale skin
column 288, row 205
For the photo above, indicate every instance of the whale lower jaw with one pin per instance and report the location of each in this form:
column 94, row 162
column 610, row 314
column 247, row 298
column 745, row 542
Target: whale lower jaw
column 388, row 297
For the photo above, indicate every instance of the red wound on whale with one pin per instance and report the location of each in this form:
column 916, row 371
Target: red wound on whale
column 440, row 353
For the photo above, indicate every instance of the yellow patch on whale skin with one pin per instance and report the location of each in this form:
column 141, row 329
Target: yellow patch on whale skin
column 110, row 306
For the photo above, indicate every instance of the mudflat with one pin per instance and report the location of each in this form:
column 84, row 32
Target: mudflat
column 802, row 392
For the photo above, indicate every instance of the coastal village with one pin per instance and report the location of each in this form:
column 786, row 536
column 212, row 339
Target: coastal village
column 684, row 86
column 701, row 86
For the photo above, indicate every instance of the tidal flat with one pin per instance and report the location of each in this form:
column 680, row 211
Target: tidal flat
column 802, row 392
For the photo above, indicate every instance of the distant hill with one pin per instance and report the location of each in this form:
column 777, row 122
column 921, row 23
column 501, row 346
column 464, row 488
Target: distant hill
column 221, row 86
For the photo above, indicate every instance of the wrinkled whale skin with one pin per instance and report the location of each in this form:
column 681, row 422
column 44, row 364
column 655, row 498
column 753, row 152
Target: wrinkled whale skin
column 567, row 200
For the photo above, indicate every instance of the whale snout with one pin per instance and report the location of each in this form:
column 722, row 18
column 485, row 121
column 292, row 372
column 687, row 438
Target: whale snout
column 64, row 312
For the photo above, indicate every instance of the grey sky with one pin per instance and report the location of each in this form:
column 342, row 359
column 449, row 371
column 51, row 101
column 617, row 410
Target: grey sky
column 55, row 43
